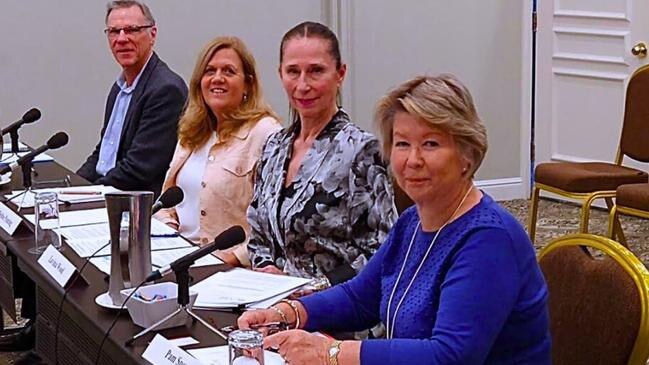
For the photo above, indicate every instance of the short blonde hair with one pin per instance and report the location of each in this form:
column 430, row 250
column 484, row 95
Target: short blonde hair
column 195, row 125
column 445, row 103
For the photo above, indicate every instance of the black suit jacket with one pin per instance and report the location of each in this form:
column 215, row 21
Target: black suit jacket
column 149, row 133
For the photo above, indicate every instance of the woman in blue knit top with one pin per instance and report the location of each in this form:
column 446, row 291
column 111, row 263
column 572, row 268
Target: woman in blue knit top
column 456, row 281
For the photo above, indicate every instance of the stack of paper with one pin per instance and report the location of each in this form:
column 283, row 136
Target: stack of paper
column 77, row 217
column 6, row 147
column 159, row 258
column 94, row 223
column 9, row 158
column 102, row 230
column 86, row 247
column 241, row 287
column 72, row 195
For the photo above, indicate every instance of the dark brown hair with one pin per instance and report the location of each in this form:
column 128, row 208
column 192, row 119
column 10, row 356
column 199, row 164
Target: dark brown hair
column 313, row 30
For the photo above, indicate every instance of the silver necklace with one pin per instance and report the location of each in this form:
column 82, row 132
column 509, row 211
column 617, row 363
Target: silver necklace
column 391, row 323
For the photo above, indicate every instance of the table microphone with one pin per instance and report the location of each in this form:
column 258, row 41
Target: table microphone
column 58, row 140
column 30, row 116
column 170, row 198
column 228, row 238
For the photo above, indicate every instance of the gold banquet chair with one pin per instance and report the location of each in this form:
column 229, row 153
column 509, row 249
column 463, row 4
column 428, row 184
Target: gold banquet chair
column 599, row 306
column 630, row 199
column 588, row 181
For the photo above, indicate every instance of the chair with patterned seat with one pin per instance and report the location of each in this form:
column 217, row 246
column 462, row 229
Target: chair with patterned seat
column 598, row 302
column 588, row 181
column 631, row 199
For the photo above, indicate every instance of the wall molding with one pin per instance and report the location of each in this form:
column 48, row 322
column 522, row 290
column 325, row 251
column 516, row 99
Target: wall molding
column 611, row 76
column 591, row 31
column 583, row 57
column 527, row 100
column 503, row 189
column 591, row 14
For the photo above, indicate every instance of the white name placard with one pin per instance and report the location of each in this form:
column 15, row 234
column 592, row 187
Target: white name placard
column 57, row 265
column 161, row 351
column 9, row 220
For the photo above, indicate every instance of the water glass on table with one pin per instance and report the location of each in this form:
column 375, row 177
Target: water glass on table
column 246, row 347
column 47, row 225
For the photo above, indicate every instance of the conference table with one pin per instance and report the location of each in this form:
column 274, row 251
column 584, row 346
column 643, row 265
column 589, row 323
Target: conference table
column 83, row 323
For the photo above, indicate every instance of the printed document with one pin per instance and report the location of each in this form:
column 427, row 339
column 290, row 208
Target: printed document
column 243, row 287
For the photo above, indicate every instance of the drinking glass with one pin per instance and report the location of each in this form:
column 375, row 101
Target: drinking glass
column 47, row 226
column 246, row 347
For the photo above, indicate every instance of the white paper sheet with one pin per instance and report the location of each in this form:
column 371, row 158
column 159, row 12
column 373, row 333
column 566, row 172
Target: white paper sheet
column 184, row 341
column 6, row 147
column 85, row 247
column 165, row 257
column 78, row 217
column 243, row 287
column 102, row 263
column 8, row 158
column 90, row 231
column 73, row 194
column 218, row 355
column 102, row 230
column 158, row 259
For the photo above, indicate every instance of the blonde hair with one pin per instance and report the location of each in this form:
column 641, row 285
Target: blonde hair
column 196, row 124
column 445, row 103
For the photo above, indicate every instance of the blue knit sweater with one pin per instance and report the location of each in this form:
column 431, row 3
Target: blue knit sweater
column 479, row 298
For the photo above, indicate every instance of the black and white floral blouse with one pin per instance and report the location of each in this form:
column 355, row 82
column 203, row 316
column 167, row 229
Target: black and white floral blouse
column 336, row 211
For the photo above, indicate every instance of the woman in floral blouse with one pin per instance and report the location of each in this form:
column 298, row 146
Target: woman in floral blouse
column 322, row 201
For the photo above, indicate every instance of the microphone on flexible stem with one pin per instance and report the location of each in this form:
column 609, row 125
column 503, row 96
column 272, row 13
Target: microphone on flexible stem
column 30, row 116
column 56, row 141
column 170, row 198
column 228, row 238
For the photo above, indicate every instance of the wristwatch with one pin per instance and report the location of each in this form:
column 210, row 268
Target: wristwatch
column 334, row 349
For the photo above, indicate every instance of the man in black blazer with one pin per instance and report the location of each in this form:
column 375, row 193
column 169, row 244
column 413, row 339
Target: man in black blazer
column 143, row 107
column 138, row 137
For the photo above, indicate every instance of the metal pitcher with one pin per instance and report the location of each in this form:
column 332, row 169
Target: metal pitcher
column 130, row 254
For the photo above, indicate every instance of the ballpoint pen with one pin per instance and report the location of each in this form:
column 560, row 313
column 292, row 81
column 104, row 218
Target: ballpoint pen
column 272, row 327
column 154, row 235
column 79, row 192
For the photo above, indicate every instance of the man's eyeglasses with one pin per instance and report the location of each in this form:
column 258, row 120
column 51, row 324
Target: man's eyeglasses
column 130, row 30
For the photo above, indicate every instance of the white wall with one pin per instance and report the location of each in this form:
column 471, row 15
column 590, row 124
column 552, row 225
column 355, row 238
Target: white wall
column 54, row 55
column 479, row 41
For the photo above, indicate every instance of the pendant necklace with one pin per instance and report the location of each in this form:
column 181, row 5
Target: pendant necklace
column 391, row 323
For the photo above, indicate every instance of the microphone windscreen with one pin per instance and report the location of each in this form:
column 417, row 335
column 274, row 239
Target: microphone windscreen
column 58, row 140
column 229, row 238
column 171, row 197
column 31, row 115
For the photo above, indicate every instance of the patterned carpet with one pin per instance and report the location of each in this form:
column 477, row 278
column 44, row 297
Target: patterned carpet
column 555, row 219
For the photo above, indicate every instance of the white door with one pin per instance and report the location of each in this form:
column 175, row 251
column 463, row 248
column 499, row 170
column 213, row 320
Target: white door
column 584, row 59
